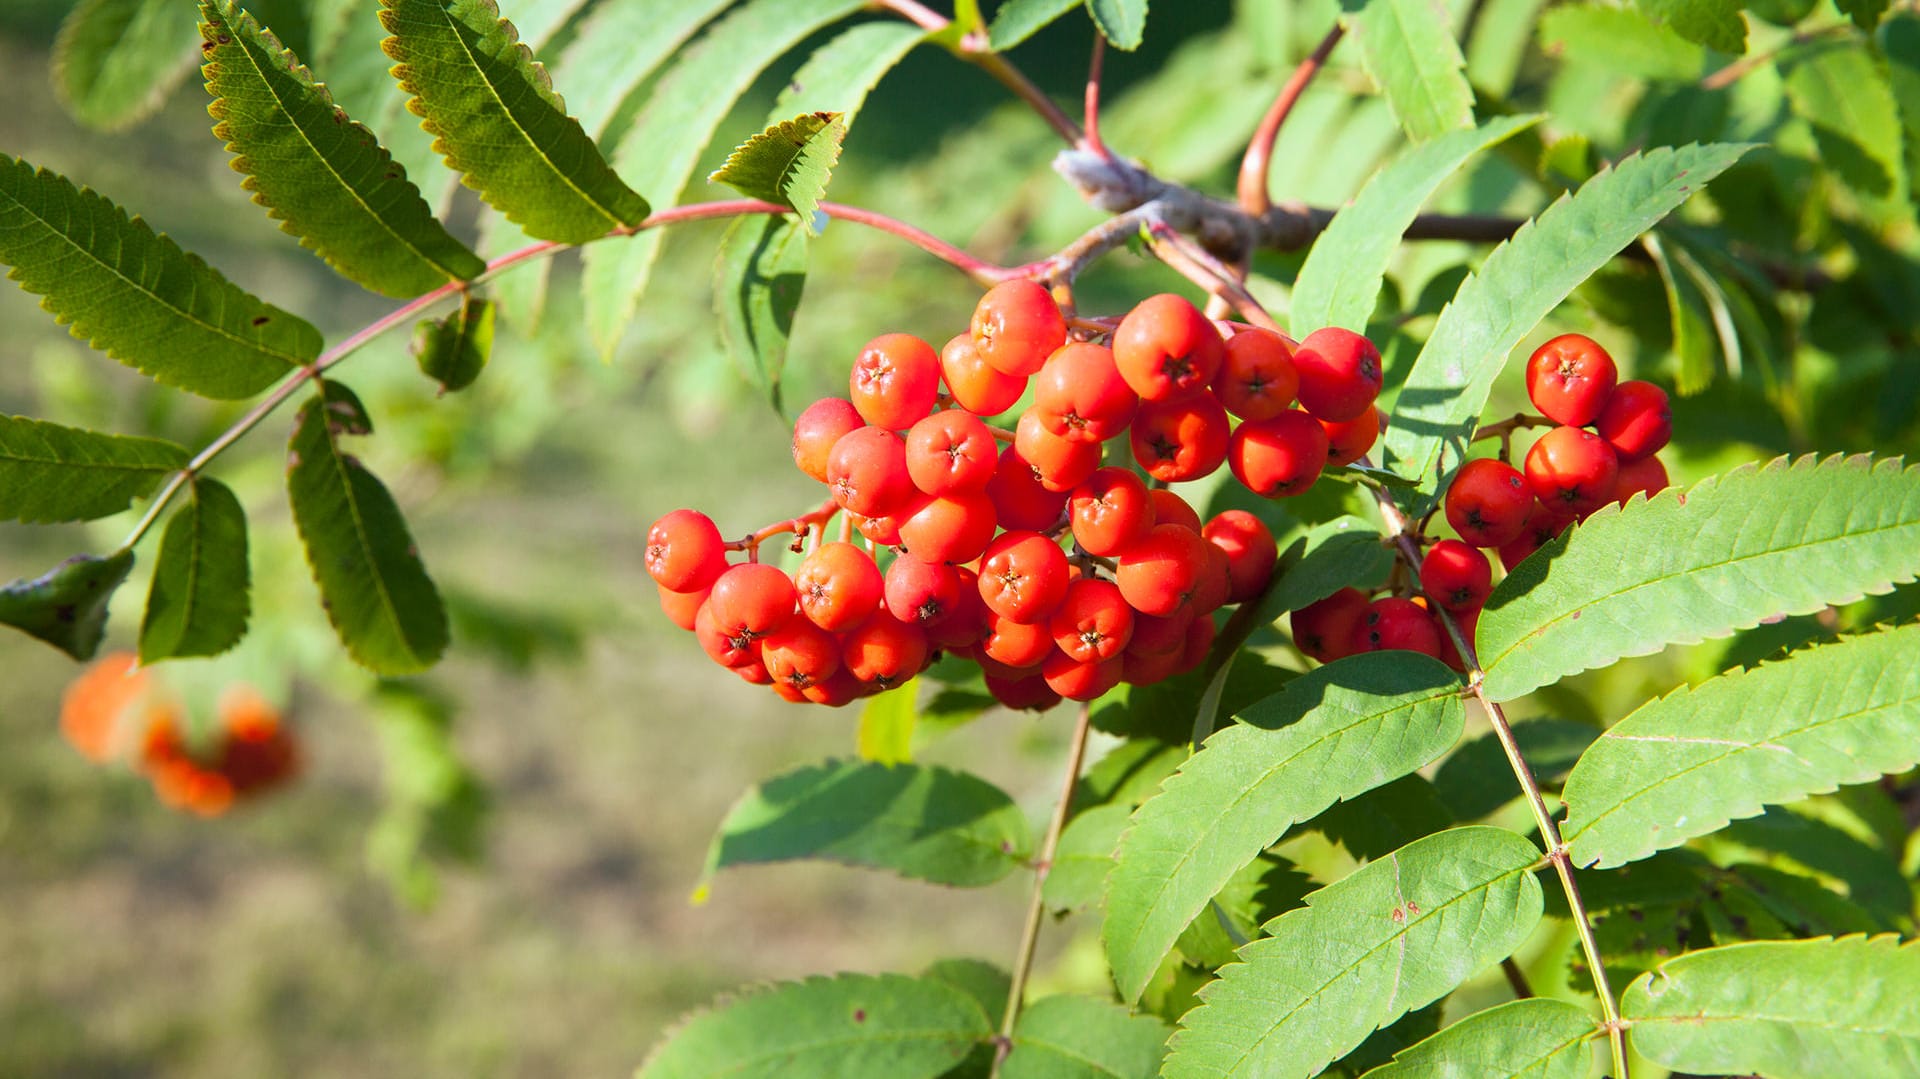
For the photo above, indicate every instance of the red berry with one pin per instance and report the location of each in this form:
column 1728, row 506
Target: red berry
column 974, row 383
column 1170, row 509
column 839, row 586
column 884, row 650
column 1017, row 645
column 800, row 653
column 1257, row 379
column 1093, row 622
column 1572, row 468
column 1488, row 502
column 1060, row 463
column 1215, row 582
column 951, row 451
column 1019, row 499
column 685, row 552
column 950, row 528
column 967, row 622
column 682, row 607
column 1023, row 577
column 1016, row 326
column 1324, row 629
column 1278, row 457
column 1391, row 622
column 867, row 472
column 1112, row 509
column 1467, row 622
column 1159, row 572
column 1200, row 634
column 1348, row 442
column 1166, row 348
column 1182, row 438
column 1456, row 576
column 752, row 598
column 733, row 649
column 1646, row 476
column 1569, row 379
column 838, row 689
column 1544, row 524
column 1080, row 395
column 895, row 380
column 823, row 423
column 1146, row 668
column 1250, row 549
column 1030, row 693
column 1078, row 680
column 1637, row 421
column 1339, row 373
column 884, row 531
column 921, row 593
column 1157, row 635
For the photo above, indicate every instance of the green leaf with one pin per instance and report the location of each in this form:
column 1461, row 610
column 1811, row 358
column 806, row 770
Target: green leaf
column 372, row 584
column 685, row 107
column 1341, row 278
column 1477, row 779
column 1082, row 1038
column 539, row 20
column 988, row 985
column 54, row 473
column 198, row 604
column 1693, row 344
column 619, row 46
column 1015, row 21
column 789, row 163
column 1713, row 23
column 1332, row 733
column 1738, row 549
column 922, row 822
column 498, row 122
column 1522, row 281
column 67, row 607
column 1788, row 1009
column 1121, row 22
column 1395, row 935
column 323, row 176
column 1384, row 819
column 1408, row 48
column 1843, row 94
column 849, row 1026
column 1336, row 554
column 1499, row 42
column 136, row 296
column 1865, row 14
column 759, row 274
column 1078, row 876
column 1687, row 763
column 115, row 60
column 453, row 350
column 886, row 725
column 1534, row 1039
column 1622, row 40
column 840, row 74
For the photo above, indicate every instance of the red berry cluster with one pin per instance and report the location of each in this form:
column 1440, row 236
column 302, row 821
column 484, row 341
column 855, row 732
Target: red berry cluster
column 1568, row 475
column 1059, row 575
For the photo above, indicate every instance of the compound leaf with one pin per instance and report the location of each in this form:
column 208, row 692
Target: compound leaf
column 115, row 60
column 849, row 1026
column 375, row 590
column 135, row 295
column 1521, row 1039
column 1757, row 542
column 1017, row 20
column 498, row 122
column 197, row 604
column 758, row 276
column 1068, row 1037
column 618, row 47
column 840, row 74
column 1844, row 94
column 1395, row 935
column 1408, row 48
column 1333, row 733
column 324, row 177
column 927, row 823
column 686, row 105
column 1522, row 281
column 454, row 350
column 1341, row 278
column 1121, row 22
column 789, row 163
column 67, row 606
column 1686, row 764
column 1804, row 1009
column 54, row 473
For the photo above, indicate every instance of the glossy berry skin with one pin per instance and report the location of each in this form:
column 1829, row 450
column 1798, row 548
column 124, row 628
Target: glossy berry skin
column 838, row 586
column 920, row 593
column 867, row 472
column 733, row 649
column 682, row 608
column 1340, row 374
column 1324, row 629
column 1023, row 577
column 895, row 380
column 1016, row 326
column 1166, row 348
column 1570, row 467
column 800, row 654
column 1170, row 509
column 1080, row 396
column 951, row 451
column 1061, row 464
column 1017, row 645
column 884, row 531
column 1647, row 476
column 1250, row 550
column 1182, row 438
column 949, row 528
column 1159, row 572
column 685, row 552
column 837, row 690
column 1348, row 442
column 1110, row 510
column 1570, row 378
column 1637, row 421
column 1456, row 576
column 884, row 651
column 1215, row 582
column 1392, row 622
column 752, row 598
column 823, row 423
column 975, row 385
column 1093, row 622
column 1257, row 379
column 1020, row 501
column 1488, row 502
column 1278, row 457
column 1078, row 680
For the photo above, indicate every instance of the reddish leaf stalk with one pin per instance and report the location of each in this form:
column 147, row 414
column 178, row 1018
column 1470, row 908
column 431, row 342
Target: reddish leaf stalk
column 1259, row 157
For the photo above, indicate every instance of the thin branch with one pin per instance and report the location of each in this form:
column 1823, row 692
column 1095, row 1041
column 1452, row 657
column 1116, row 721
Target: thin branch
column 1730, row 74
column 1259, row 157
column 1516, row 979
column 976, row 52
column 799, row 526
column 1409, row 549
column 1091, row 140
column 1036, row 906
column 1181, row 253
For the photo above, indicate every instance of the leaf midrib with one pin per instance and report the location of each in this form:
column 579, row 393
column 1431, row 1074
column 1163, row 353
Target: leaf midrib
column 345, row 473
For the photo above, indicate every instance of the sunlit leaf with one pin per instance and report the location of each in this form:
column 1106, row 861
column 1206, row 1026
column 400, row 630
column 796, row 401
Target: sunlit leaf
column 1408, row 48
column 1521, row 1039
column 789, row 163
column 1082, row 1038
column 1121, row 22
